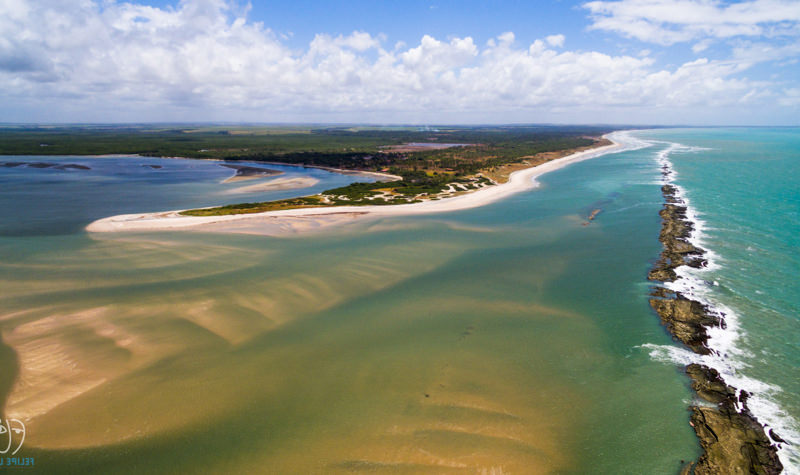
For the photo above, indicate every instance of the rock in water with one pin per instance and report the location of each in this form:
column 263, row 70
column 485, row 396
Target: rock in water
column 733, row 441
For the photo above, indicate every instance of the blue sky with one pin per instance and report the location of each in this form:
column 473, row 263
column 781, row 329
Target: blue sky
column 409, row 20
column 620, row 61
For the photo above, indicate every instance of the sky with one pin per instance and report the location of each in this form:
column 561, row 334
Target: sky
column 649, row 62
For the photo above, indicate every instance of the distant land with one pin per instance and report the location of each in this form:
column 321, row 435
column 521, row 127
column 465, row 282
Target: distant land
column 422, row 162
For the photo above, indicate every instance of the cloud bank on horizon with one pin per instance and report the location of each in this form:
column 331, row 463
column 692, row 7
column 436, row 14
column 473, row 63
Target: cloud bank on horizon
column 205, row 60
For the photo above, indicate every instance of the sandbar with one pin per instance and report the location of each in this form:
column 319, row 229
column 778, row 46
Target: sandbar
column 294, row 221
column 276, row 184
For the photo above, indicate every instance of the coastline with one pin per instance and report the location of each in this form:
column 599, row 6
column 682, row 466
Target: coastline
column 731, row 437
column 304, row 219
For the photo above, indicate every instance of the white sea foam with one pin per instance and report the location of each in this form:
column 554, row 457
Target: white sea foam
column 630, row 141
column 728, row 356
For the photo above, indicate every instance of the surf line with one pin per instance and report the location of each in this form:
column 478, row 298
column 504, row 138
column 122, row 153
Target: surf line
column 732, row 439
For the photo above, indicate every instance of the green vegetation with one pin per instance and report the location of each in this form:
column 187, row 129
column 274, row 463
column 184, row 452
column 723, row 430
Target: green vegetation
column 426, row 173
column 351, row 148
column 414, row 183
column 245, row 208
column 190, row 142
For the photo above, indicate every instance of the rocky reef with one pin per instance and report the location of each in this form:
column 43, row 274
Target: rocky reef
column 686, row 320
column 732, row 439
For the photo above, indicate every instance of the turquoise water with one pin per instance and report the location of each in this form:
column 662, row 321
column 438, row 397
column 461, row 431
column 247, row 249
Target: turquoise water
column 512, row 337
column 743, row 184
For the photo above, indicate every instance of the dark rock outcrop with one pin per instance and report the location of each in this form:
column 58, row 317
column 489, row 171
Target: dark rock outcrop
column 54, row 166
column 72, row 166
column 686, row 320
column 732, row 439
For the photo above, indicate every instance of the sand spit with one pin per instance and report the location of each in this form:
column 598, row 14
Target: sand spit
column 288, row 221
column 276, row 184
column 378, row 176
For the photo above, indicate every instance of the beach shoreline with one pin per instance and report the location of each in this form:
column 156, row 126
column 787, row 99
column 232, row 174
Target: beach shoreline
column 303, row 219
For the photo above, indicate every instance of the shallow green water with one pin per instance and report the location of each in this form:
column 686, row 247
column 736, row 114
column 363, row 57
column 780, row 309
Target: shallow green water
column 503, row 338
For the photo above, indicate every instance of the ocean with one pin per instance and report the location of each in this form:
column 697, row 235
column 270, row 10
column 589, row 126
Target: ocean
column 744, row 198
column 512, row 337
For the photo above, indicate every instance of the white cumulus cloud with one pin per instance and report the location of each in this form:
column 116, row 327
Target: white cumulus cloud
column 671, row 21
column 203, row 59
column 555, row 40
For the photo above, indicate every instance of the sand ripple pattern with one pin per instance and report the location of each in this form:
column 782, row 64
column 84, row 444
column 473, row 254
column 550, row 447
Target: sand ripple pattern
column 90, row 318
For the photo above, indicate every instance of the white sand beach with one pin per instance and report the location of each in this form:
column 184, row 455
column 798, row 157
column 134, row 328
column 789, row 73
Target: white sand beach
column 302, row 220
